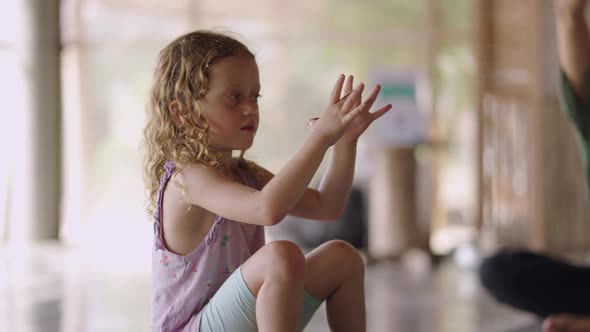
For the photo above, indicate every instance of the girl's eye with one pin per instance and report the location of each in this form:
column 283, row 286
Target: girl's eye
column 237, row 97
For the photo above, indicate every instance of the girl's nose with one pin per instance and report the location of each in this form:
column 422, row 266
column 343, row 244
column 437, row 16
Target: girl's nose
column 249, row 108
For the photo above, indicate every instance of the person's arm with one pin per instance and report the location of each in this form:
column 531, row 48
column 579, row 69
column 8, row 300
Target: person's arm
column 334, row 187
column 207, row 188
column 328, row 202
column 573, row 41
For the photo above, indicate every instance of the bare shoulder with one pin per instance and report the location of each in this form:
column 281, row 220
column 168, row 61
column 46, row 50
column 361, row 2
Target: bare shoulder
column 195, row 178
column 189, row 174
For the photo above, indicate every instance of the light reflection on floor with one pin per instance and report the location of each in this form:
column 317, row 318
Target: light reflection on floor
column 53, row 289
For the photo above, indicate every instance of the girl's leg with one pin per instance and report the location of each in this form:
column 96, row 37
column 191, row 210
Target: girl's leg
column 335, row 271
column 275, row 274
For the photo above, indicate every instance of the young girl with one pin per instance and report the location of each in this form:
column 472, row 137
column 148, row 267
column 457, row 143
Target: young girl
column 212, row 270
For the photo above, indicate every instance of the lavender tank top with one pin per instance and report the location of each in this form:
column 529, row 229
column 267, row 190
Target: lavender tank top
column 182, row 285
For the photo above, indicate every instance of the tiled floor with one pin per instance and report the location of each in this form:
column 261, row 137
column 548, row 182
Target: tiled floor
column 52, row 289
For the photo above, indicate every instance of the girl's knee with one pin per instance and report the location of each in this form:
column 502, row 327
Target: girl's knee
column 346, row 253
column 286, row 259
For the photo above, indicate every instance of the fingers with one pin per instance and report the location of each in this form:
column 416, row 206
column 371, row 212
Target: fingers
column 348, row 85
column 347, row 91
column 348, row 88
column 374, row 94
column 366, row 105
column 373, row 116
column 378, row 113
column 351, row 102
column 335, row 95
column 351, row 115
column 353, row 99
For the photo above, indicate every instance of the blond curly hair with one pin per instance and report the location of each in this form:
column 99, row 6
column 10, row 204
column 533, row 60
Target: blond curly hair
column 181, row 77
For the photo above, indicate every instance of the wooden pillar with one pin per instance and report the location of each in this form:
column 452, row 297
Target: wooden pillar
column 483, row 40
column 392, row 205
column 435, row 128
column 35, row 190
column 536, row 126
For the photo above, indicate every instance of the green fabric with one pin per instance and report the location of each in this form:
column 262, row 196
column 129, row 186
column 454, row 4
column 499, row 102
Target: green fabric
column 579, row 112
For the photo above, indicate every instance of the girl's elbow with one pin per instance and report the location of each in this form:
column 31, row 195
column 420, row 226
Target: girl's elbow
column 270, row 217
column 270, row 213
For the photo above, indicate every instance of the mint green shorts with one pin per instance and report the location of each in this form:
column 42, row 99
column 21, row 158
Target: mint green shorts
column 233, row 307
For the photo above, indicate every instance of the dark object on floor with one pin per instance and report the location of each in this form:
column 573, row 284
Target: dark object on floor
column 309, row 234
column 537, row 283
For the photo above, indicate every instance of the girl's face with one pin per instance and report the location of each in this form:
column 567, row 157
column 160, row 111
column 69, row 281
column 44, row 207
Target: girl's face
column 231, row 103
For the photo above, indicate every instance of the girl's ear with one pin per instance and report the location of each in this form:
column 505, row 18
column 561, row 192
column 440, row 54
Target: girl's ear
column 175, row 114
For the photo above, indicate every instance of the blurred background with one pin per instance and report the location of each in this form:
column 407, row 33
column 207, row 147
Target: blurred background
column 474, row 155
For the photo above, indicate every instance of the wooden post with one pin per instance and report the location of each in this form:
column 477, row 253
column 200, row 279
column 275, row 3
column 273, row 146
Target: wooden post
column 483, row 40
column 35, row 190
column 536, row 127
column 392, row 205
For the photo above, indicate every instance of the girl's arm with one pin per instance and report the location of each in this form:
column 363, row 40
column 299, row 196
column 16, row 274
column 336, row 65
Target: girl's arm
column 329, row 200
column 207, row 188
column 334, row 187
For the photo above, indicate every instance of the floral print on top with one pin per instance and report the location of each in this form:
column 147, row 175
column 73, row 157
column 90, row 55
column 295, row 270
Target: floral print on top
column 182, row 285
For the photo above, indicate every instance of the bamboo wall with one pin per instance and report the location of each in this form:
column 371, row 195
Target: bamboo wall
column 532, row 185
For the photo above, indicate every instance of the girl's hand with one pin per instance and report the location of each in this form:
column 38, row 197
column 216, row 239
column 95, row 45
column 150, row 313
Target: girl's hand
column 340, row 112
column 360, row 122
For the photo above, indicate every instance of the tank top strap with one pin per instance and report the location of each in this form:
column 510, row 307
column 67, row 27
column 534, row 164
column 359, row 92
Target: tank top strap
column 170, row 167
